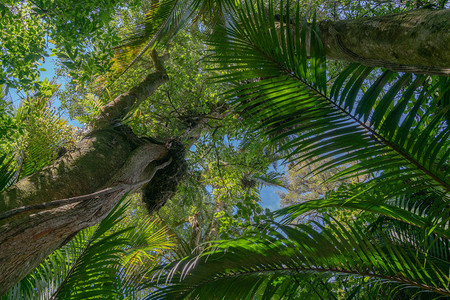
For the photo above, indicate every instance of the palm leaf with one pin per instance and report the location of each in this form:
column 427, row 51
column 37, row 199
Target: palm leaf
column 45, row 132
column 287, row 256
column 162, row 23
column 163, row 20
column 284, row 92
column 426, row 211
column 94, row 271
column 149, row 242
column 46, row 278
column 109, row 260
column 6, row 174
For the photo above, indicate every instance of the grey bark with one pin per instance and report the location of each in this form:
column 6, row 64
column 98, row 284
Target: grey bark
column 111, row 159
column 416, row 41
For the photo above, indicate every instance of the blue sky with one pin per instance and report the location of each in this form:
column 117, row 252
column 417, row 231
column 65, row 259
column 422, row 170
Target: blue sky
column 270, row 198
column 48, row 74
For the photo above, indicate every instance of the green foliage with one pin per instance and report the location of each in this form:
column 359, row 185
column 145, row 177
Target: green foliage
column 163, row 21
column 9, row 129
column 187, row 96
column 287, row 98
column 376, row 124
column 6, row 174
column 104, row 261
column 22, row 36
column 32, row 135
column 391, row 127
column 220, row 194
column 44, row 132
column 81, row 267
column 277, row 262
column 213, row 202
column 81, row 35
column 303, row 186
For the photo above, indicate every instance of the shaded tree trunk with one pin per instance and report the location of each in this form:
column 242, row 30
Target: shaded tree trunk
column 104, row 166
column 416, row 41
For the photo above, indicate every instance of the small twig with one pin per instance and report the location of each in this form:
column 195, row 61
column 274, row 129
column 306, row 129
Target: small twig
column 220, row 171
column 171, row 103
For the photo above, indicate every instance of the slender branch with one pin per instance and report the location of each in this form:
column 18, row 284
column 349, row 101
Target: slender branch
column 118, row 108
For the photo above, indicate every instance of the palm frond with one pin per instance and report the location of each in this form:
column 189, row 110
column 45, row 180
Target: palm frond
column 269, row 179
column 109, row 261
column 149, row 241
column 284, row 91
column 47, row 277
column 45, row 132
column 286, row 256
column 164, row 20
column 94, row 271
column 6, row 174
column 81, row 269
column 427, row 211
column 211, row 12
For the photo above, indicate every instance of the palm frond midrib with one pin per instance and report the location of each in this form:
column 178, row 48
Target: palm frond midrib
column 188, row 287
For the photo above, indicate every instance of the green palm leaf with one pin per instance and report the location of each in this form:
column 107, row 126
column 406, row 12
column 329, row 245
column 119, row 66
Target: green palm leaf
column 149, row 242
column 107, row 261
column 93, row 272
column 284, row 92
column 163, row 20
column 6, row 174
column 162, row 23
column 286, row 256
column 45, row 132
column 426, row 211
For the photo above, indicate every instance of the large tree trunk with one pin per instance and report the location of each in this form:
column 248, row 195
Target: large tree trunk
column 35, row 215
column 416, row 41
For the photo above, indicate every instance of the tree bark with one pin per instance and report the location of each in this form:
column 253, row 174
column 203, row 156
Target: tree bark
column 110, row 159
column 416, row 41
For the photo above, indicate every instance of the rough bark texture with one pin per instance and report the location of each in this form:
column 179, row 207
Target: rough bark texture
column 416, row 41
column 110, row 156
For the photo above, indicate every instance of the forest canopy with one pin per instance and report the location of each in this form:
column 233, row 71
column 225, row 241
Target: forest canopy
column 137, row 171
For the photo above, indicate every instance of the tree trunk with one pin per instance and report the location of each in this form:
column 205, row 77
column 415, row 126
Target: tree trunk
column 416, row 41
column 35, row 215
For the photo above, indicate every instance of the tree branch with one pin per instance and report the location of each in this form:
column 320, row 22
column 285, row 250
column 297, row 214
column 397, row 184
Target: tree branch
column 118, row 108
column 102, row 167
column 61, row 202
column 415, row 41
